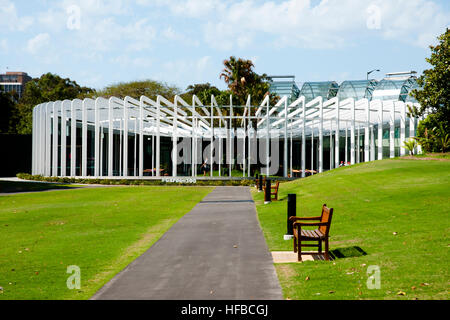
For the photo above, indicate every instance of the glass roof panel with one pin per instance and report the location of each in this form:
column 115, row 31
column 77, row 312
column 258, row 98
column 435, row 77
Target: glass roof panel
column 356, row 89
column 324, row 89
column 285, row 88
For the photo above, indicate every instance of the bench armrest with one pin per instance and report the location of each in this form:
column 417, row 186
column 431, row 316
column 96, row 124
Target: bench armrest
column 310, row 224
column 304, row 218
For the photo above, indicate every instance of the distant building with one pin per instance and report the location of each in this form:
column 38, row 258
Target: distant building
column 14, row 82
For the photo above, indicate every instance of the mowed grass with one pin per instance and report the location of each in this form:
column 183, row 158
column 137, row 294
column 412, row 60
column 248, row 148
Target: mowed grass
column 101, row 230
column 396, row 211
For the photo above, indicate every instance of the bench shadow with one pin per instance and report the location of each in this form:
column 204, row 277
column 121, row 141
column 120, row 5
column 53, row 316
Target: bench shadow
column 348, row 252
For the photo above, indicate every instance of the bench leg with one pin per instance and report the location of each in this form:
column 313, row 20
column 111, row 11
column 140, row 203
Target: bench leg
column 327, row 255
column 320, row 246
column 295, row 244
column 299, row 252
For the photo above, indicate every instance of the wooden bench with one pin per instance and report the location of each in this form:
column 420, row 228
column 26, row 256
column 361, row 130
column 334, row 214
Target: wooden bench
column 273, row 190
column 321, row 234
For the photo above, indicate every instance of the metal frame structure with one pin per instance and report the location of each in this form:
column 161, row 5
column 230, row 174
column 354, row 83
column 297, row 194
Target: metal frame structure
column 125, row 137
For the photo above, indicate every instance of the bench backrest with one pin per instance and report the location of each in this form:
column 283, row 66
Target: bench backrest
column 327, row 214
column 277, row 185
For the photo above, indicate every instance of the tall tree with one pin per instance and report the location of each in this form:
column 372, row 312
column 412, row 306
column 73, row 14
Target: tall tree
column 434, row 95
column 242, row 80
column 49, row 87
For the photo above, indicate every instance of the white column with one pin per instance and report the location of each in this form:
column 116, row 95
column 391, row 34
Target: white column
column 73, row 139
column 321, row 136
column 48, row 146
column 33, row 141
column 380, row 131
column 125, row 137
column 346, row 143
column 55, row 140
column 101, row 151
column 268, row 138
column 41, row 142
column 285, row 160
column 141, row 139
column 231, row 140
column 120, row 148
column 419, row 147
column 158, row 136
column 220, row 150
column 337, row 144
column 194, row 141
column 63, row 139
column 211, row 149
column 367, row 134
column 135, row 147
column 110, row 138
column 358, row 147
column 175, row 139
column 97, row 139
column 290, row 153
column 392, row 131
column 84, row 140
column 402, row 127
column 331, row 145
column 372, row 144
column 352, row 134
column 312, row 145
column 304, row 139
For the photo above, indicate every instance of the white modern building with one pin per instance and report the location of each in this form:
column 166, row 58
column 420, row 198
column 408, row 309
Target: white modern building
column 312, row 129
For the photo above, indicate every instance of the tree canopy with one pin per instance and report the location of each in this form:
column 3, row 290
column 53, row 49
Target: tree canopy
column 242, row 80
column 49, row 87
column 434, row 97
column 136, row 89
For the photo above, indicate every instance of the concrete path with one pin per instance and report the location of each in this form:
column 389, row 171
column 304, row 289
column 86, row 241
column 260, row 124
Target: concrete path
column 216, row 251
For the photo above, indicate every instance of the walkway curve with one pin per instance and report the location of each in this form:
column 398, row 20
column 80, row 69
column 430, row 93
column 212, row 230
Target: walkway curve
column 216, row 251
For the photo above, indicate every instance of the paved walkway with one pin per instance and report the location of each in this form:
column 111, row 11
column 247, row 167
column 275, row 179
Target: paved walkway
column 216, row 251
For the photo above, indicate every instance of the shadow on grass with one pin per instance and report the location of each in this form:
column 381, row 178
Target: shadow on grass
column 349, row 252
column 15, row 187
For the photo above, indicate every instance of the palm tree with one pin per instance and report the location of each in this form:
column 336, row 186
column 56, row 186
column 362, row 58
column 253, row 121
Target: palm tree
column 410, row 145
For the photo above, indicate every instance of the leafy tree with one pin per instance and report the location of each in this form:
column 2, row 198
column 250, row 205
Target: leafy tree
column 442, row 137
column 434, row 96
column 136, row 89
column 7, row 104
column 242, row 80
column 203, row 91
column 49, row 87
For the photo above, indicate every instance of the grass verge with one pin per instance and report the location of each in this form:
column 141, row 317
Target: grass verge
column 396, row 212
column 101, row 230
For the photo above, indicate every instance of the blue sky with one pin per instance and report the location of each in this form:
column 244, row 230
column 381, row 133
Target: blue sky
column 100, row 42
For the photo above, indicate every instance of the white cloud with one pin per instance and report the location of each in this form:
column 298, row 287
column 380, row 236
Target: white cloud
column 10, row 19
column 300, row 23
column 35, row 44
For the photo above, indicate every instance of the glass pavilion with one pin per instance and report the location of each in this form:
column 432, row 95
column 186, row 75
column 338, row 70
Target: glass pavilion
column 311, row 131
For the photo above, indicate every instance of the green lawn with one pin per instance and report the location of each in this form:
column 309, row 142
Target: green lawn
column 396, row 211
column 101, row 230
